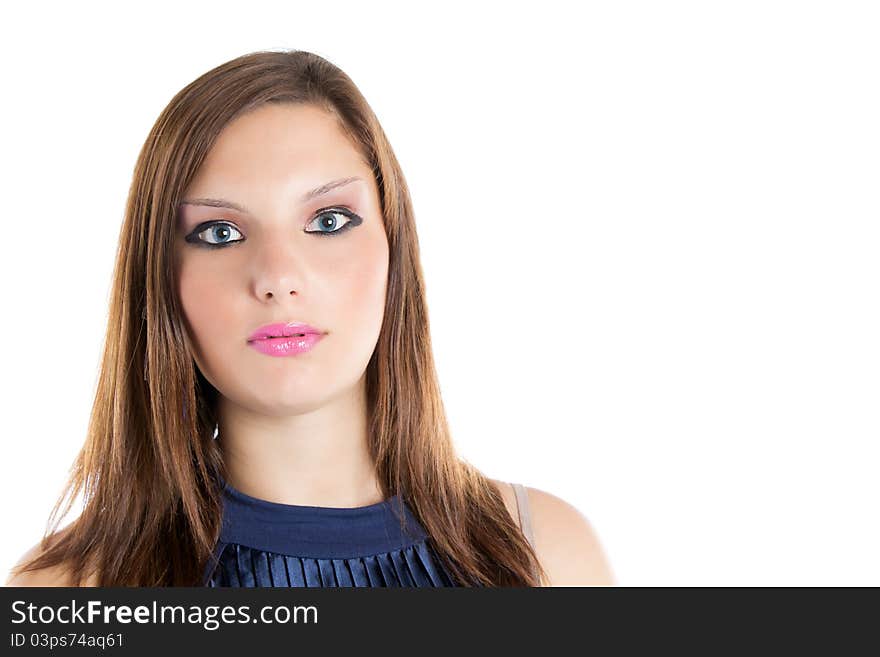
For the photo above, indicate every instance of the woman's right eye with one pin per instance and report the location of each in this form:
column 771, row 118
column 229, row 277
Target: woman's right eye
column 219, row 231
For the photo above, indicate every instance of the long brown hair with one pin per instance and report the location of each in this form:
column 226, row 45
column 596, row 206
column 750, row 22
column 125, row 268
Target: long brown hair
column 149, row 469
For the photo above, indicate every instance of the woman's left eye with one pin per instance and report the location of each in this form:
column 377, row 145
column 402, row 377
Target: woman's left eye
column 329, row 221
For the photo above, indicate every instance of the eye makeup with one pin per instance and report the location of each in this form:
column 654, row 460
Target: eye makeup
column 352, row 220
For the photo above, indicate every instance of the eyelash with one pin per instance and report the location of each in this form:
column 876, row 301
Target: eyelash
column 353, row 220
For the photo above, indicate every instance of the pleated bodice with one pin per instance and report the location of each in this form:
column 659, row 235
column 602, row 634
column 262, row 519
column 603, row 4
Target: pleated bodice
column 265, row 543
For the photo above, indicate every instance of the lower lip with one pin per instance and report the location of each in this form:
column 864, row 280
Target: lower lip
column 289, row 346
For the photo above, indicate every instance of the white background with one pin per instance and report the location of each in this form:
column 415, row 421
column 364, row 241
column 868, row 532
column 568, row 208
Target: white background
column 649, row 234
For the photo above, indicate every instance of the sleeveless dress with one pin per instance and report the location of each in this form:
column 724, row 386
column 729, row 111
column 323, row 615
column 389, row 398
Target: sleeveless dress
column 268, row 544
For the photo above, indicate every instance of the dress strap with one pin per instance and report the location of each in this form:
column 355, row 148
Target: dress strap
column 525, row 517
column 522, row 510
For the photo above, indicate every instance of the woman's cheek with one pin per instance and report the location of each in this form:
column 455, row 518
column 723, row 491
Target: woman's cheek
column 205, row 317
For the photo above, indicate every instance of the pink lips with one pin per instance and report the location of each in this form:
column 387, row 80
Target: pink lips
column 284, row 330
column 284, row 339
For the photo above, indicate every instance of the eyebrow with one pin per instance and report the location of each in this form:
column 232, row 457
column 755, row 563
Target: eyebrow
column 308, row 196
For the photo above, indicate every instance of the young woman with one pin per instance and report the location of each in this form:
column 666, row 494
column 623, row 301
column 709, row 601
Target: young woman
column 268, row 412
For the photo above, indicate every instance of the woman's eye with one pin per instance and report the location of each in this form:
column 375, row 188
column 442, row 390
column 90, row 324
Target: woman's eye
column 329, row 220
column 220, row 232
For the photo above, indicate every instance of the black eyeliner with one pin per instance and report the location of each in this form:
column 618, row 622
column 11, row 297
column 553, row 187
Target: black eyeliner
column 192, row 237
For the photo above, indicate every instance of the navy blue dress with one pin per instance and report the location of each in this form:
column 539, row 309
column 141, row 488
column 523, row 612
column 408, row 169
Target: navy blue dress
column 265, row 543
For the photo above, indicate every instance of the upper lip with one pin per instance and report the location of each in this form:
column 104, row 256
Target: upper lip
column 282, row 330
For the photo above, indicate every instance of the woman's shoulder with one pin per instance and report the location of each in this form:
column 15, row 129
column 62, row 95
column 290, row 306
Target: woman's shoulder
column 52, row 576
column 57, row 575
column 565, row 542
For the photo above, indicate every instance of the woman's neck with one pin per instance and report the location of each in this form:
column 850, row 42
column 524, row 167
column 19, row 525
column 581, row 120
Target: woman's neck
column 317, row 457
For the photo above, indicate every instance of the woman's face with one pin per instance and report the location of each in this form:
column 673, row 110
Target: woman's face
column 271, row 269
